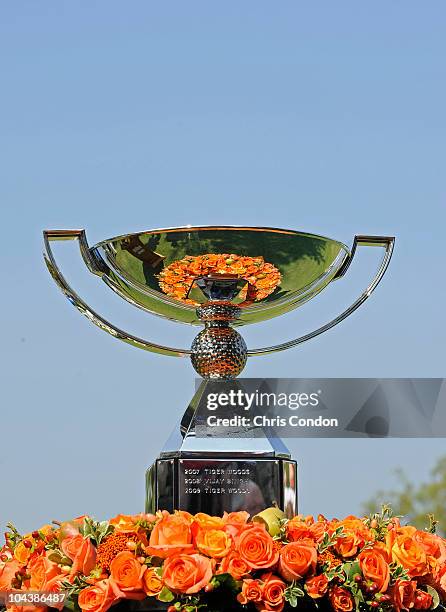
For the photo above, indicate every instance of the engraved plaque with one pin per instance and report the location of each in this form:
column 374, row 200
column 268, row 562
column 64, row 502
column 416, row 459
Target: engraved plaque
column 230, row 484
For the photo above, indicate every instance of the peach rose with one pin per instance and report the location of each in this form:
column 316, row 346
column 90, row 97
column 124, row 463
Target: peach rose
column 151, row 582
column 187, row 574
column 98, row 597
column 7, row 573
column 233, row 564
column 170, row 536
column 213, row 542
column 409, row 553
column 272, row 593
column 374, row 567
column 297, row 559
column 256, row 547
column 317, row 586
column 126, row 573
column 341, row 599
column 83, row 554
column 251, row 591
column 403, row 594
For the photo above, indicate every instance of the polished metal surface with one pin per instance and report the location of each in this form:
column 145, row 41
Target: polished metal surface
column 307, row 263
column 184, row 473
column 94, row 266
column 222, row 484
column 387, row 243
column 218, row 351
column 218, row 312
column 129, row 265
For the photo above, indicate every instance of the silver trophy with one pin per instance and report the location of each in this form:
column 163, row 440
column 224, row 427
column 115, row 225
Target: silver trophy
column 219, row 278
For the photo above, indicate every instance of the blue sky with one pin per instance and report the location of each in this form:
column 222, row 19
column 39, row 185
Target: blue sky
column 116, row 117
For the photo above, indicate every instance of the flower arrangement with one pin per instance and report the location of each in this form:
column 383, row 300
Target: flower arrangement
column 202, row 562
column 177, row 278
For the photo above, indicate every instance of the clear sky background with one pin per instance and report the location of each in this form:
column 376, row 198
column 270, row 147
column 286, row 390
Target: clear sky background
column 122, row 116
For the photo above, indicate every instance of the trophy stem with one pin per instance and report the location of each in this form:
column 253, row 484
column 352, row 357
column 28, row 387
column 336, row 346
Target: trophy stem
column 213, row 474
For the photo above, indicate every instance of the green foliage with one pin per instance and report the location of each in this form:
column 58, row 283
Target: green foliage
column 293, row 593
column 329, row 540
column 418, row 503
column 96, row 530
column 166, row 595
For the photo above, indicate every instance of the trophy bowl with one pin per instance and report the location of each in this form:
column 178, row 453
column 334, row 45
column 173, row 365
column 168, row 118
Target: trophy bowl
column 220, row 277
column 306, row 264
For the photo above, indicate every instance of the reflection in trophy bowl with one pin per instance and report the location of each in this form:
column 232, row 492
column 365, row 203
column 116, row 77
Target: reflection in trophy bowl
column 220, row 277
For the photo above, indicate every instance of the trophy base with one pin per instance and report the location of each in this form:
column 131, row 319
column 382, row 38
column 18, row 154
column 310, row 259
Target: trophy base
column 216, row 475
column 218, row 484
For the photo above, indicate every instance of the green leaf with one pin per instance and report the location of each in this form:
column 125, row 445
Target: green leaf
column 351, row 569
column 227, row 581
column 166, row 596
column 71, row 604
column 292, row 594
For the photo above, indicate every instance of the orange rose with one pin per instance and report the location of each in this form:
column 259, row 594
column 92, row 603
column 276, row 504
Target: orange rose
column 22, row 553
column 441, row 581
column 272, row 593
column 234, row 522
column 126, row 573
column 205, row 521
column 97, row 598
column 297, row 529
column 354, row 535
column 71, row 544
column 374, row 567
column 423, row 601
column 84, row 554
column 297, row 559
column 251, row 591
column 233, row 564
column 7, row 573
column 409, row 553
column 403, row 594
column 43, row 573
column 170, row 536
column 341, row 599
column 213, row 542
column 187, row 574
column 318, row 529
column 317, row 586
column 151, row 582
column 434, row 547
column 125, row 522
column 256, row 547
column 347, row 544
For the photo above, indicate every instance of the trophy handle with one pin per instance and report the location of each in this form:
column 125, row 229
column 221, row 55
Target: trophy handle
column 385, row 242
column 96, row 265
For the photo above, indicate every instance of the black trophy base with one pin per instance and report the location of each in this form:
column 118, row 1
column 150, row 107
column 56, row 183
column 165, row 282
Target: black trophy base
column 222, row 483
